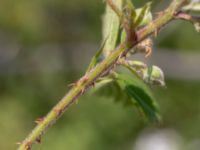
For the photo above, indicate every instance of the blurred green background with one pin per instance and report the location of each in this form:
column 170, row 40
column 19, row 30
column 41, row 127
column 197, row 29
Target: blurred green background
column 45, row 45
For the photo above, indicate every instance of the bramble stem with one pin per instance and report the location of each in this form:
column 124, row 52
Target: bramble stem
column 104, row 67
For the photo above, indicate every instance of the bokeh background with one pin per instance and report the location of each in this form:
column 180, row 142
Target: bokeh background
column 45, row 45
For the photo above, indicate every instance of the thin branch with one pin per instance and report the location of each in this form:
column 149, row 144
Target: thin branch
column 187, row 17
column 101, row 69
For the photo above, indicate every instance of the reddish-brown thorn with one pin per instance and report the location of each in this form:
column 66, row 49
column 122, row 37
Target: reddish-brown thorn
column 159, row 14
column 72, row 84
column 93, row 84
column 28, row 145
column 58, row 111
column 38, row 140
column 39, row 120
column 82, row 91
column 85, row 78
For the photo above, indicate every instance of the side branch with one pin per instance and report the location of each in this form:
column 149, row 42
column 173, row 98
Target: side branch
column 101, row 69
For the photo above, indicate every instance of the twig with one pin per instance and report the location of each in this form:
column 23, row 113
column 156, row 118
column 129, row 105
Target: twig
column 187, row 17
column 88, row 79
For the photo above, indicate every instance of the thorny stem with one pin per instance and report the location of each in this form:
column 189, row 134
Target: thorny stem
column 102, row 68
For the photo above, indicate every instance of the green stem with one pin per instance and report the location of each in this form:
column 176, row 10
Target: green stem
column 88, row 79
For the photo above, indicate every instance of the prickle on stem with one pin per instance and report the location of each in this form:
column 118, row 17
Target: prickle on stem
column 72, row 84
column 39, row 120
column 85, row 78
column 38, row 140
column 58, row 111
column 28, row 145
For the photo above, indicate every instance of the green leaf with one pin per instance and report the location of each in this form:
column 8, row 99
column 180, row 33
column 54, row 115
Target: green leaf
column 109, row 88
column 96, row 57
column 111, row 26
column 130, row 4
column 143, row 15
column 140, row 94
column 154, row 76
column 137, row 65
column 130, row 90
column 151, row 75
column 130, row 8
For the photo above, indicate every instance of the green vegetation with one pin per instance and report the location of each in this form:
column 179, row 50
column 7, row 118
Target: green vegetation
column 96, row 123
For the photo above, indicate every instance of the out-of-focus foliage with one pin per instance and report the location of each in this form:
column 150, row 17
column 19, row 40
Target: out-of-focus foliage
column 37, row 21
column 95, row 123
column 63, row 21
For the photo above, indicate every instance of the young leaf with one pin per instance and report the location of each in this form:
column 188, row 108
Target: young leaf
column 111, row 30
column 130, row 9
column 154, row 76
column 137, row 65
column 102, row 82
column 140, row 94
column 143, row 15
column 130, row 4
column 96, row 57
column 151, row 75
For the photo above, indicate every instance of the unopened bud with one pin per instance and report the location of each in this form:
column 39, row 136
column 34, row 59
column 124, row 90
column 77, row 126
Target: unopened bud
column 154, row 75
